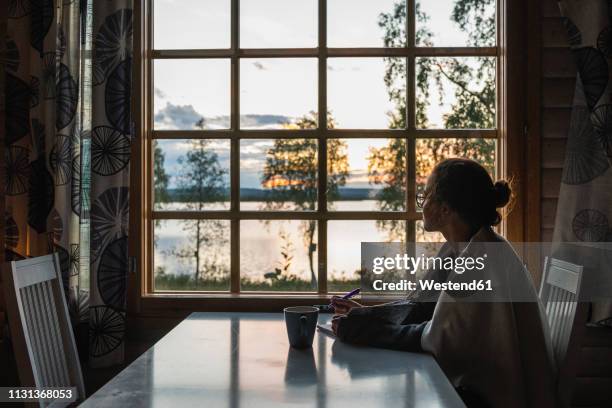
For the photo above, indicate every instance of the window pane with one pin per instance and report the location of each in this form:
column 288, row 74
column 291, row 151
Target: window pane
column 366, row 174
column 451, row 23
column 278, row 174
column 429, row 152
column 191, row 175
column 278, row 24
column 192, row 24
column 191, row 254
column 455, row 93
column 192, row 94
column 276, row 92
column 344, row 240
column 278, row 255
column 359, row 95
column 366, row 23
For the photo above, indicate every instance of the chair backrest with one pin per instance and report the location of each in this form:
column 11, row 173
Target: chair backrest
column 40, row 326
column 560, row 294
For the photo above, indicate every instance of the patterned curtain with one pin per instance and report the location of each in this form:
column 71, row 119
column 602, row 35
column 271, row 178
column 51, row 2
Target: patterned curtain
column 583, row 225
column 68, row 135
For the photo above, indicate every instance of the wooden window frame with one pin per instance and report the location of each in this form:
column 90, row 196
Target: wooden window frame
column 511, row 160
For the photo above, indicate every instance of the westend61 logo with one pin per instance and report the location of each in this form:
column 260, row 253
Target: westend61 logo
column 480, row 271
column 404, row 262
column 390, row 268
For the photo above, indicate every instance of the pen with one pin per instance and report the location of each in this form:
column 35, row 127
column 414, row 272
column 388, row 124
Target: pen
column 352, row 293
column 329, row 308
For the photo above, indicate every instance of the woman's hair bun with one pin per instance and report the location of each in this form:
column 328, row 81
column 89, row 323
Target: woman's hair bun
column 503, row 192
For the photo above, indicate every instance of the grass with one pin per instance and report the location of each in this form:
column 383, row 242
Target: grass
column 186, row 283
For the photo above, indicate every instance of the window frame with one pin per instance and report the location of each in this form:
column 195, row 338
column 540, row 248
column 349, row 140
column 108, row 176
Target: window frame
column 509, row 161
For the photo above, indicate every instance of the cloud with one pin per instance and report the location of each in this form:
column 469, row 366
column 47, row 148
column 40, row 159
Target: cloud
column 185, row 117
column 263, row 121
column 252, row 151
column 159, row 93
column 176, row 117
column 251, row 165
column 254, row 146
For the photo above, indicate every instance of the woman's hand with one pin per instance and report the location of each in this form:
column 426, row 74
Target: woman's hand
column 336, row 321
column 343, row 306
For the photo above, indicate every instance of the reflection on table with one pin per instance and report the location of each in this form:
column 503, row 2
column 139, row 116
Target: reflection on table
column 244, row 360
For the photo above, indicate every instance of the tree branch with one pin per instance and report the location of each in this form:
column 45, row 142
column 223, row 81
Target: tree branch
column 464, row 88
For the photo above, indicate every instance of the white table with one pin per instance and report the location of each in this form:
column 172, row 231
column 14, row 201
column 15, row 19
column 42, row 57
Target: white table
column 244, row 360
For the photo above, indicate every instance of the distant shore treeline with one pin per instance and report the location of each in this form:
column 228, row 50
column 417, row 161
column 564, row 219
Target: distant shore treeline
column 256, row 194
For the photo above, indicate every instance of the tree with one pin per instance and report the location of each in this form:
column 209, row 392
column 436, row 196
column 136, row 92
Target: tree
column 201, row 180
column 474, row 106
column 160, row 180
column 290, row 174
column 387, row 167
column 160, row 177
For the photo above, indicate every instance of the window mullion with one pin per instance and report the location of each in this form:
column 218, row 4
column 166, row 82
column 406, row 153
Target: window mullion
column 322, row 149
column 149, row 177
column 410, row 120
column 234, row 150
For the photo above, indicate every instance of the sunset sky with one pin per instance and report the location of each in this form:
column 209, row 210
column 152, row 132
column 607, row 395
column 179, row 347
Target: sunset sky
column 186, row 90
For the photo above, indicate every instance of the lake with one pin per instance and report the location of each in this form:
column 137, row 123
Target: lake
column 266, row 245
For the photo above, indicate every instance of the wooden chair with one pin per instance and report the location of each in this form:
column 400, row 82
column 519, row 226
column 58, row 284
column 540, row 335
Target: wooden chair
column 40, row 327
column 559, row 292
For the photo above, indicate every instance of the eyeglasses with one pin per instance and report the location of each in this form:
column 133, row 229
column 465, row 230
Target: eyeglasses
column 420, row 199
column 421, row 196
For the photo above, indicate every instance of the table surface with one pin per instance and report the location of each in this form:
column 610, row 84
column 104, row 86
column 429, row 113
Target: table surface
column 244, row 360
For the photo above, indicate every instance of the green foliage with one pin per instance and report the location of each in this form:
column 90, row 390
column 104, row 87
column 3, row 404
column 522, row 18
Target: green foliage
column 474, row 105
column 160, row 177
column 201, row 179
column 433, row 151
column 474, row 17
column 284, row 269
column 291, row 171
column 291, row 175
column 387, row 167
column 184, row 282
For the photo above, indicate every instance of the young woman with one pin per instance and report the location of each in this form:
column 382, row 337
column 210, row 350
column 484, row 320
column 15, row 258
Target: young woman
column 497, row 353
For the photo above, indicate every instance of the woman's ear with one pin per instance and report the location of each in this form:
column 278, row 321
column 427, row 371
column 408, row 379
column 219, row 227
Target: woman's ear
column 444, row 214
column 443, row 209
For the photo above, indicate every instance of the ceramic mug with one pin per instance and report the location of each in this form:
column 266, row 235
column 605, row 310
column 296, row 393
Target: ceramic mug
column 301, row 324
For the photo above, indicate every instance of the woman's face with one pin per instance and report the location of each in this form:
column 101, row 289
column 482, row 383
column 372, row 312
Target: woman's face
column 433, row 211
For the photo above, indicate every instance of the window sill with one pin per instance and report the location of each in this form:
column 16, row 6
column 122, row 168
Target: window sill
column 179, row 303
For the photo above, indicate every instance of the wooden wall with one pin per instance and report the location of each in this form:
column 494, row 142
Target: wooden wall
column 558, row 80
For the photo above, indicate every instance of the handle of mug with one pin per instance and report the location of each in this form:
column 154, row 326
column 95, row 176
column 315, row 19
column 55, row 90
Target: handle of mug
column 303, row 331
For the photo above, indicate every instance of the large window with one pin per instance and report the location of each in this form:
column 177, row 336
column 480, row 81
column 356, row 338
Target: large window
column 283, row 133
